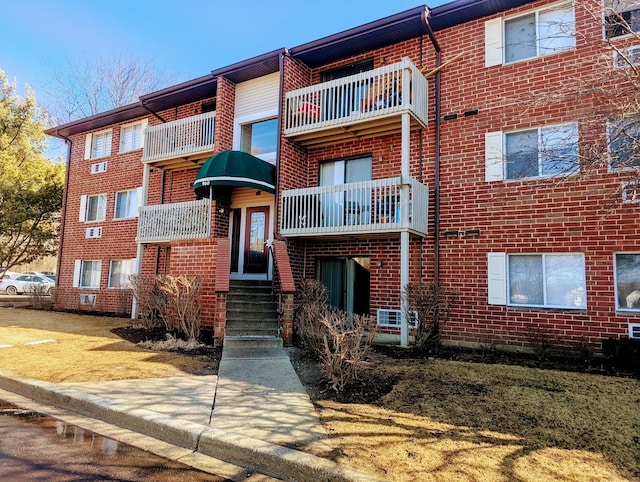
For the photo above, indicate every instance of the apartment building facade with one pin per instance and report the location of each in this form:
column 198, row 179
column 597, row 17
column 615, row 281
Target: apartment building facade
column 429, row 145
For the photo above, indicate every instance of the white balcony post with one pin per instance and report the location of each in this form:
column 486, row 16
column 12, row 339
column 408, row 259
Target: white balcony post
column 404, row 234
column 144, row 194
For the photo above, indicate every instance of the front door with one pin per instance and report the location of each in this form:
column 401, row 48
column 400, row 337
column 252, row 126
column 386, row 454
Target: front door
column 256, row 255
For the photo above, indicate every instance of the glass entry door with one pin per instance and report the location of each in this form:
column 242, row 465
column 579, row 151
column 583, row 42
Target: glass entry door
column 256, row 255
column 348, row 282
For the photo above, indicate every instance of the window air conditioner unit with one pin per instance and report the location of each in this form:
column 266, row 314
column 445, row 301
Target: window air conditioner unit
column 98, row 167
column 393, row 318
column 634, row 330
column 88, row 299
column 94, row 232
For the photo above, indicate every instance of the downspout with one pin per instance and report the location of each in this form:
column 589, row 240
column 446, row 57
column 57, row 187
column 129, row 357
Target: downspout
column 436, row 190
column 69, row 144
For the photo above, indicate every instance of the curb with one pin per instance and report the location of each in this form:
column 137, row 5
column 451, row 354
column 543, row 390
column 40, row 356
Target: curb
column 257, row 455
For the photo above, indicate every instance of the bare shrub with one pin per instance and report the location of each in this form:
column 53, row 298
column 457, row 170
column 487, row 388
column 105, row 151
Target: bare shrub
column 310, row 302
column 542, row 343
column 171, row 344
column 39, row 295
column 433, row 302
column 183, row 303
column 339, row 340
column 151, row 301
column 345, row 345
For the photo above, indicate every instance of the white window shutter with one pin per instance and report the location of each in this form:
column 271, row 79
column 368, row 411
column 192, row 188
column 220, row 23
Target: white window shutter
column 494, row 160
column 497, row 278
column 83, row 208
column 493, row 42
column 76, row 273
column 87, row 146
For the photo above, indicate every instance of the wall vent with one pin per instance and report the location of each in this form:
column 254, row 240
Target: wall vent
column 98, row 167
column 94, row 232
column 392, row 318
column 634, row 330
column 88, row 299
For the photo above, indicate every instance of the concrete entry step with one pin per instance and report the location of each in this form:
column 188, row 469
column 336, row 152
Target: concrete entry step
column 252, row 341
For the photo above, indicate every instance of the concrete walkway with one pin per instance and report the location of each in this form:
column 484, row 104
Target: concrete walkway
column 255, row 413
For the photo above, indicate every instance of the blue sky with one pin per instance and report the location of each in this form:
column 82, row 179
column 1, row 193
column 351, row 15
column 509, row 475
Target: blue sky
column 187, row 38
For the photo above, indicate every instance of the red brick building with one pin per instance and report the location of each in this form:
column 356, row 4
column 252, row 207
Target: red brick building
column 445, row 144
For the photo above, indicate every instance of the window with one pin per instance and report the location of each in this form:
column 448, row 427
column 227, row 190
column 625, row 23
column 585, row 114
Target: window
column 259, row 138
column 131, row 136
column 119, row 271
column 87, row 274
column 621, row 17
column 624, row 143
column 98, row 144
column 126, row 204
column 350, row 206
column 93, row 208
column 538, row 33
column 627, row 281
column 537, row 280
column 539, row 152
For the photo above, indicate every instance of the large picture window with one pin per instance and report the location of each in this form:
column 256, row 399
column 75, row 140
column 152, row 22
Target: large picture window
column 545, row 151
column 546, row 280
column 627, row 281
column 541, row 32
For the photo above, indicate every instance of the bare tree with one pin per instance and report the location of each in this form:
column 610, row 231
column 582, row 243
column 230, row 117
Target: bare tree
column 80, row 89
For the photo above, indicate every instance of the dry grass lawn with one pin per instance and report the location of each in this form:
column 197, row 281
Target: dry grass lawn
column 440, row 421
column 64, row 347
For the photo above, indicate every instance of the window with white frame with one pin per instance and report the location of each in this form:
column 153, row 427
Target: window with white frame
column 260, row 138
column 87, row 274
column 621, row 17
column 539, row 152
column 540, row 32
column 93, row 208
column 126, row 205
column 627, row 281
column 624, row 143
column 119, row 272
column 131, row 136
column 554, row 280
column 98, row 144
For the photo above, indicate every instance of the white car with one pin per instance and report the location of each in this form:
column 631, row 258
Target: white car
column 27, row 283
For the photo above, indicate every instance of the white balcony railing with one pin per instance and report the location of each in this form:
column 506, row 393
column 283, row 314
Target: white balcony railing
column 162, row 223
column 384, row 205
column 180, row 138
column 380, row 92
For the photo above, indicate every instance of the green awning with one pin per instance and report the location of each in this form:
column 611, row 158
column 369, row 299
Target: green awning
column 235, row 169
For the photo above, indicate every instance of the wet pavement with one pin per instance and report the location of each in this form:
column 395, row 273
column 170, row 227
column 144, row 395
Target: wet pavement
column 38, row 447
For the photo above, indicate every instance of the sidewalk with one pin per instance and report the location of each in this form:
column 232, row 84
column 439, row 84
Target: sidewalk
column 254, row 413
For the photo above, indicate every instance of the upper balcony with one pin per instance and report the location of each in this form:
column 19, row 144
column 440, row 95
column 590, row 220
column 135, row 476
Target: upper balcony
column 163, row 223
column 359, row 208
column 358, row 106
column 181, row 143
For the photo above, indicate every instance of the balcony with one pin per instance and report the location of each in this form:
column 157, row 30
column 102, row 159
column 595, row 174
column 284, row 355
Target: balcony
column 163, row 223
column 180, row 144
column 359, row 208
column 359, row 106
